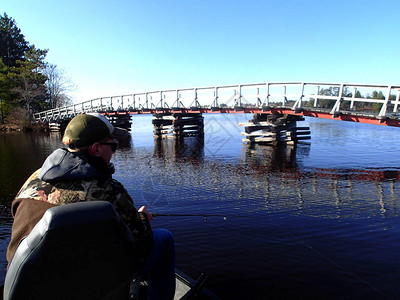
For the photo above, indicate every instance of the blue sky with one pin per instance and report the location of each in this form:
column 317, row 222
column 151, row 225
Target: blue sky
column 122, row 47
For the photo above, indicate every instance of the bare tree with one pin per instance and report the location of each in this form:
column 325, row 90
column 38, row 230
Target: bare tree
column 58, row 86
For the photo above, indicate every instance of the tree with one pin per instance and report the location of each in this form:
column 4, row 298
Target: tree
column 328, row 103
column 57, row 85
column 12, row 42
column 4, row 88
column 29, row 80
column 376, row 95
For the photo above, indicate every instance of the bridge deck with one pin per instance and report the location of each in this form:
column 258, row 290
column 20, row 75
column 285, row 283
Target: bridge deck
column 368, row 118
column 345, row 101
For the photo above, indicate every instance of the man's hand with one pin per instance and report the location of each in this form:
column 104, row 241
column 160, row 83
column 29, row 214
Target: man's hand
column 144, row 210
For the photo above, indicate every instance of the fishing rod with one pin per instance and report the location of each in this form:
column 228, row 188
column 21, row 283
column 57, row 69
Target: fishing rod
column 190, row 215
column 185, row 215
column 4, row 209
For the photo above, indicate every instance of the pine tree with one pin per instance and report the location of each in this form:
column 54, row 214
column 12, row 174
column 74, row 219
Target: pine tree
column 13, row 45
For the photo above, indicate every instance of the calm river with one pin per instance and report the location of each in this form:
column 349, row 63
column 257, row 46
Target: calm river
column 317, row 221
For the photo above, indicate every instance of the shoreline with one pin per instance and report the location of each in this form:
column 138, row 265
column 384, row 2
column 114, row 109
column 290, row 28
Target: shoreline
column 24, row 128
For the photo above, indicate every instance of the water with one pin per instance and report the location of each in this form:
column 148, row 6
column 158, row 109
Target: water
column 317, row 221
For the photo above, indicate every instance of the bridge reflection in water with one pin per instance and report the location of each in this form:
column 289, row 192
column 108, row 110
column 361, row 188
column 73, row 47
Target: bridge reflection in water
column 274, row 176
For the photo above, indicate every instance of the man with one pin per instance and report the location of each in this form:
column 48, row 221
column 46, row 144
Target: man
column 83, row 172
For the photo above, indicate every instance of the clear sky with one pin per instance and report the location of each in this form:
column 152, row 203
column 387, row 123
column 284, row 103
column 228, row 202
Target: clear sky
column 111, row 47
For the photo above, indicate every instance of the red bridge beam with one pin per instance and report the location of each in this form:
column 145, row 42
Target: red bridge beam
column 341, row 117
column 306, row 113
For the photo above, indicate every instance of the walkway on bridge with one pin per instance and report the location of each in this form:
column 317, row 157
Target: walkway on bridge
column 179, row 111
column 344, row 101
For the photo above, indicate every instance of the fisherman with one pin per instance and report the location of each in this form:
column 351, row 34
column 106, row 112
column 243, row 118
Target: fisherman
column 83, row 172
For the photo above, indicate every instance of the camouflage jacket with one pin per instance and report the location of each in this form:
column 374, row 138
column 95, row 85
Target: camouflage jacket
column 67, row 177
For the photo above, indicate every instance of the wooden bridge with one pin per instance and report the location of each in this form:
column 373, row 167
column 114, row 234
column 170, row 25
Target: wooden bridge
column 364, row 103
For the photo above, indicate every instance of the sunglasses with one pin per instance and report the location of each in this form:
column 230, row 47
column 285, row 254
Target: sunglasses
column 113, row 145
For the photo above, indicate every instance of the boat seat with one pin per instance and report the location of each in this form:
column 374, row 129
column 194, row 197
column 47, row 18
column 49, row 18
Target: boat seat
column 76, row 251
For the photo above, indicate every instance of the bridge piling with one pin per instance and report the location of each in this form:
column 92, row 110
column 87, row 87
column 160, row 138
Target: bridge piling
column 170, row 125
column 122, row 120
column 59, row 126
column 274, row 129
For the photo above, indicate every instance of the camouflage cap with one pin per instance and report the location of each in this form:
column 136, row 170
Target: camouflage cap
column 87, row 129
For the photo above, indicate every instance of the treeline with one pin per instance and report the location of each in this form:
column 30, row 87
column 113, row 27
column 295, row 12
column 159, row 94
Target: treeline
column 28, row 83
column 345, row 105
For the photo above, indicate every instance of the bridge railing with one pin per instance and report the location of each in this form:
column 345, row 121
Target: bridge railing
column 380, row 101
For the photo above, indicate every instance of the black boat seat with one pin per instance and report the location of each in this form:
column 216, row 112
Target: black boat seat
column 76, row 251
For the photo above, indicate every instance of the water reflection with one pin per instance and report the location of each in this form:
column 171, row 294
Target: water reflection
column 19, row 158
column 270, row 158
column 188, row 148
column 272, row 179
column 125, row 144
column 322, row 193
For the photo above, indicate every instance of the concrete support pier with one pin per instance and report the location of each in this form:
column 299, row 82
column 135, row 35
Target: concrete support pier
column 170, row 125
column 274, row 129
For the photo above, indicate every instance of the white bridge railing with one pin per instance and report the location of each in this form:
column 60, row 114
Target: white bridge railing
column 380, row 100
